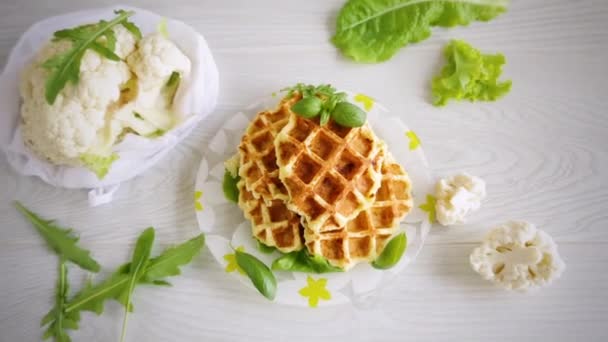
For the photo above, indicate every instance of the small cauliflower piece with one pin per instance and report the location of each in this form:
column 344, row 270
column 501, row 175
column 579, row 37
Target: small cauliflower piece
column 158, row 65
column 232, row 165
column 457, row 196
column 518, row 256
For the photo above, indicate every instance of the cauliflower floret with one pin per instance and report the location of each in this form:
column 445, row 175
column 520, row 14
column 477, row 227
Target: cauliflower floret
column 155, row 59
column 232, row 165
column 457, row 196
column 517, row 256
column 63, row 131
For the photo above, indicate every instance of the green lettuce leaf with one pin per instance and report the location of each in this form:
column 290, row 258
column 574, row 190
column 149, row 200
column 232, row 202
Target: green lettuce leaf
column 302, row 261
column 469, row 75
column 372, row 31
column 100, row 165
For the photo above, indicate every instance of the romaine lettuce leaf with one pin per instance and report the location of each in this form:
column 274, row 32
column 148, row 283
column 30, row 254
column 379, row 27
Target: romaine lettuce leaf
column 372, row 31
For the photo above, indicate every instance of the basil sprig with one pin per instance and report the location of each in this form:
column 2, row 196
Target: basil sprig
column 326, row 102
column 260, row 275
column 392, row 253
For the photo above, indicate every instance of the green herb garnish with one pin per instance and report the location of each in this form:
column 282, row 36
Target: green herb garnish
column 326, row 102
column 60, row 321
column 61, row 240
column 372, row 31
column 470, row 75
column 118, row 286
column 302, row 261
column 171, row 87
column 264, row 248
column 261, row 276
column 231, row 191
column 64, row 67
column 392, row 253
column 139, row 261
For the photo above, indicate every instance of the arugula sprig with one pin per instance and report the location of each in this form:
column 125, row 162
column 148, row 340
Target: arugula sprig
column 326, row 102
column 118, row 286
column 61, row 240
column 60, row 321
column 64, row 67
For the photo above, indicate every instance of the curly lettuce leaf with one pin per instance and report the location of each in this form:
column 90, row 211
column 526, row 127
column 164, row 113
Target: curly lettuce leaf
column 100, row 165
column 371, row 31
column 470, row 75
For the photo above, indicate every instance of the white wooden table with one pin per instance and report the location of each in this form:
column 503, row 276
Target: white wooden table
column 543, row 151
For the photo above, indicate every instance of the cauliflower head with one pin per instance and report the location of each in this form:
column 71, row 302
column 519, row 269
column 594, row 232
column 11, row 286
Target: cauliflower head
column 110, row 98
column 457, row 196
column 517, row 256
column 77, row 122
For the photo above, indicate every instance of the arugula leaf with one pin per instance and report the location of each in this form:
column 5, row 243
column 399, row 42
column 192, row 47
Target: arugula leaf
column 100, row 165
column 302, row 261
column 61, row 240
column 167, row 264
column 469, row 75
column 61, row 321
column 261, row 276
column 141, row 256
column 372, row 31
column 65, row 66
column 131, row 27
column 229, row 186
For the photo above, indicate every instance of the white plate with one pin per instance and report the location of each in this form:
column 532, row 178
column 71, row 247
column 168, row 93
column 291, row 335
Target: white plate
column 224, row 224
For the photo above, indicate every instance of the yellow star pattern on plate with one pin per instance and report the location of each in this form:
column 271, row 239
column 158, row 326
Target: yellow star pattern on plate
column 315, row 290
column 197, row 200
column 429, row 207
column 231, row 259
column 414, row 140
column 367, row 101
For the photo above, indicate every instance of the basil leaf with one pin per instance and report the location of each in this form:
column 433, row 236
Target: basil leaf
column 231, row 191
column 308, row 107
column 392, row 253
column 348, row 115
column 324, row 118
column 263, row 248
column 302, row 261
column 261, row 276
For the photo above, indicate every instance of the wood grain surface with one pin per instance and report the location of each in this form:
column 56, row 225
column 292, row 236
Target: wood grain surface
column 543, row 151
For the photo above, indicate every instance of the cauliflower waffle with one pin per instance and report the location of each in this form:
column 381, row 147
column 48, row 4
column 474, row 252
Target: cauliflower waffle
column 331, row 172
column 334, row 189
column 258, row 166
column 363, row 238
column 272, row 224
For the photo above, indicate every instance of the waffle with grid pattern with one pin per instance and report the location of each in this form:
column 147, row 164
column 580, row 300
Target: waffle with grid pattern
column 331, row 172
column 271, row 223
column 363, row 238
column 258, row 165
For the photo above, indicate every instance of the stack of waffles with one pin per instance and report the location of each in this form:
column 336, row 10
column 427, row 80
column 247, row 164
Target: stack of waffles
column 334, row 190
